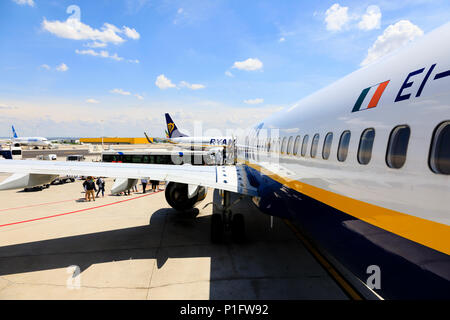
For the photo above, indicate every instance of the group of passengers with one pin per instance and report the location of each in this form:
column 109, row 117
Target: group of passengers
column 154, row 183
column 90, row 187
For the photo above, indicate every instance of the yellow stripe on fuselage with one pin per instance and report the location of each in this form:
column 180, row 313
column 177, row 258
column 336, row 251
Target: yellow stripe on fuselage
column 428, row 233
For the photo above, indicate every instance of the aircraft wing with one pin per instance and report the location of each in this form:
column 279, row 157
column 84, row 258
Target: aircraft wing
column 229, row 178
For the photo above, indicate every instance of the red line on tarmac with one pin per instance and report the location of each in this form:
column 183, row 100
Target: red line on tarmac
column 76, row 211
column 36, row 205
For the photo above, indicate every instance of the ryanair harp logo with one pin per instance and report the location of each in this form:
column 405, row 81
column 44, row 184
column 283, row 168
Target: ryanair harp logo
column 170, row 126
column 369, row 97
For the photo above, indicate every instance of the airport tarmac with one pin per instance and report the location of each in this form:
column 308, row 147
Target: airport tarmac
column 53, row 245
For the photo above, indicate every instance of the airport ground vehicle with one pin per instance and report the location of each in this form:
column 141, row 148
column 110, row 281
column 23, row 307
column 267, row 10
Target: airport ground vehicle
column 47, row 157
column 163, row 156
column 75, row 157
column 37, row 188
column 64, row 179
column 13, row 152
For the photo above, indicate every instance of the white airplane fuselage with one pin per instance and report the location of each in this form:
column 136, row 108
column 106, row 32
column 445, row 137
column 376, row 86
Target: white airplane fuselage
column 367, row 214
column 32, row 141
column 210, row 141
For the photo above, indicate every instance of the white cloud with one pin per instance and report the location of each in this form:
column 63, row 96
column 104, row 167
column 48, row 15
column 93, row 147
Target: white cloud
column 336, row 17
column 133, row 60
column 101, row 54
column 131, row 33
column 282, row 39
column 254, row 101
column 95, row 44
column 25, row 2
column 92, row 101
column 371, row 19
column 126, row 93
column 62, row 67
column 229, row 74
column 251, row 64
column 121, row 91
column 45, row 66
column 164, row 83
column 191, row 86
column 180, row 16
column 77, row 30
column 394, row 37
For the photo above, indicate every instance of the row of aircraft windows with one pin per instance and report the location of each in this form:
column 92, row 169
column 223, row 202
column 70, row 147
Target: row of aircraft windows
column 439, row 158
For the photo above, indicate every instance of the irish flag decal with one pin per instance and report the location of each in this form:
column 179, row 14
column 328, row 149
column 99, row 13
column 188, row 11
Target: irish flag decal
column 369, row 97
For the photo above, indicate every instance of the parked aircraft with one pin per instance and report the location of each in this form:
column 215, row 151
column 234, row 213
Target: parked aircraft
column 176, row 136
column 30, row 141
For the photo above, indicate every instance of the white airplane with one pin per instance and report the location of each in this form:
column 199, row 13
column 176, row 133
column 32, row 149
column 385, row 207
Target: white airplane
column 362, row 166
column 30, row 141
column 176, row 136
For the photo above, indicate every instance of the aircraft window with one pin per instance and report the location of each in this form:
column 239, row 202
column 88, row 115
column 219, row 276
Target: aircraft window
column 343, row 145
column 283, row 145
column 290, row 145
column 440, row 149
column 327, row 145
column 314, row 144
column 365, row 146
column 304, row 145
column 296, row 145
column 397, row 147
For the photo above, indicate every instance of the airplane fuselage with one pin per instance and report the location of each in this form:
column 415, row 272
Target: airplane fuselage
column 32, row 141
column 203, row 140
column 367, row 208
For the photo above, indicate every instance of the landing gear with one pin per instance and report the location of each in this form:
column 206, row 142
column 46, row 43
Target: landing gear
column 217, row 228
column 238, row 228
column 226, row 221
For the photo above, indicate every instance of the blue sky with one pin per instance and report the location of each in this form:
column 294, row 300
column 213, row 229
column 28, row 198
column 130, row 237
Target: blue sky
column 229, row 64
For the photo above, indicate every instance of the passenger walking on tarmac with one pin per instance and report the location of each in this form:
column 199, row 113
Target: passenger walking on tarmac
column 155, row 185
column 101, row 186
column 89, row 185
column 144, row 182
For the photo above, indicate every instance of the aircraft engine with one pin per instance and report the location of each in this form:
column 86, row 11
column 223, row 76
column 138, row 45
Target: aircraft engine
column 182, row 196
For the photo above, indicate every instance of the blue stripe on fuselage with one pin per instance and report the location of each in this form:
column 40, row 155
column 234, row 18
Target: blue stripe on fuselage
column 408, row 270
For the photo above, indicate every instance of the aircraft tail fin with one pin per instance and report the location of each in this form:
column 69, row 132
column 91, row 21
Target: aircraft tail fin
column 172, row 128
column 148, row 139
column 14, row 132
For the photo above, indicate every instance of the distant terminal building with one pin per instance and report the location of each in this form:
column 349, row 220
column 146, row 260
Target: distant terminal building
column 115, row 140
